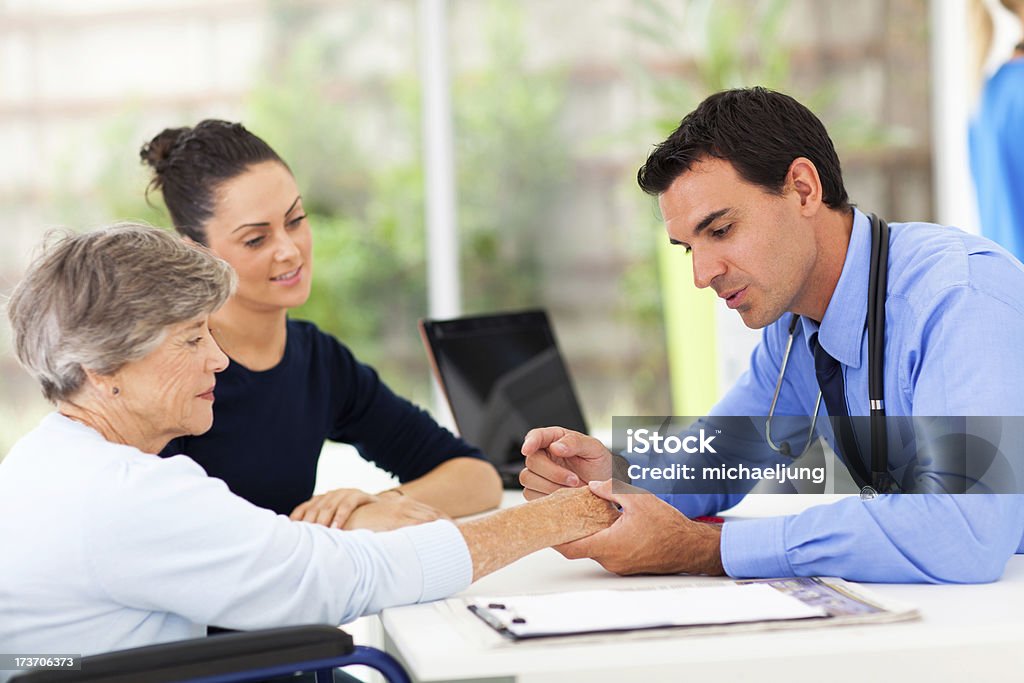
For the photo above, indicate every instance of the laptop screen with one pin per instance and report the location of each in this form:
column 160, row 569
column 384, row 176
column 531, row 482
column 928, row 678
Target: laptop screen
column 502, row 375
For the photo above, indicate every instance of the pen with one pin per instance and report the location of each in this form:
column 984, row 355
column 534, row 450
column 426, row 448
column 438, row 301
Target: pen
column 709, row 520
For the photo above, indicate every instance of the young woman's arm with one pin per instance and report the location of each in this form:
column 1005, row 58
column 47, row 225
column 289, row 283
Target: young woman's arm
column 456, row 487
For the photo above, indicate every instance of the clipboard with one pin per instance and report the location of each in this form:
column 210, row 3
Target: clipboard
column 753, row 604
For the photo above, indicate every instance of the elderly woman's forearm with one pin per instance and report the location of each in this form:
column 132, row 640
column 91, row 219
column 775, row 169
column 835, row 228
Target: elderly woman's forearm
column 507, row 535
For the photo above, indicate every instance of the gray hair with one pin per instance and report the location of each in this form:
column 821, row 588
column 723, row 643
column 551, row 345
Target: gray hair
column 105, row 298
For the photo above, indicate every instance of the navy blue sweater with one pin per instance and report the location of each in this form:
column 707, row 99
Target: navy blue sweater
column 269, row 427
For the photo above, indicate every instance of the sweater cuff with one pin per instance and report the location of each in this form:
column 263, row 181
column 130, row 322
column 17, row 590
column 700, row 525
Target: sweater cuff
column 444, row 558
column 755, row 548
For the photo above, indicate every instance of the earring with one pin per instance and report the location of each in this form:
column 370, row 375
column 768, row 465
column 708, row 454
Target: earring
column 116, row 391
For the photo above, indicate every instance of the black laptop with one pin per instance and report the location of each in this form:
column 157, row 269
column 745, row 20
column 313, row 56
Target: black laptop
column 503, row 375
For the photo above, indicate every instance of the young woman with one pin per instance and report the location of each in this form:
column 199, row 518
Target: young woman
column 290, row 386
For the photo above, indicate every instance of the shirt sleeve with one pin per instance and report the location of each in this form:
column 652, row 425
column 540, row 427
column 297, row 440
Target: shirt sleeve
column 386, row 429
column 925, row 538
column 934, row 538
column 224, row 561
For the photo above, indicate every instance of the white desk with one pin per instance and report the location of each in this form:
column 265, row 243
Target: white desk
column 965, row 633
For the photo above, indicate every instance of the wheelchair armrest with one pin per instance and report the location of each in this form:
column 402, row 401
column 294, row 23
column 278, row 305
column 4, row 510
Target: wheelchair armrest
column 203, row 657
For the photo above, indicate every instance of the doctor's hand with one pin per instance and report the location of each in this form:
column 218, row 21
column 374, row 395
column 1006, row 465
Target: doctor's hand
column 650, row 537
column 392, row 511
column 559, row 458
column 332, row 508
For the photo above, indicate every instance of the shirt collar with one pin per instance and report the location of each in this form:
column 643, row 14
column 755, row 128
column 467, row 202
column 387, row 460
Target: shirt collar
column 841, row 330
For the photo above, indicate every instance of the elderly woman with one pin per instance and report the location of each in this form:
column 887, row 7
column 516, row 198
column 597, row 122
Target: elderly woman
column 108, row 546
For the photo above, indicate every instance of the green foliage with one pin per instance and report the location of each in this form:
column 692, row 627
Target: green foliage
column 118, row 193
column 512, row 164
column 367, row 210
column 365, row 200
column 730, row 43
column 309, row 127
column 717, row 44
column 369, row 270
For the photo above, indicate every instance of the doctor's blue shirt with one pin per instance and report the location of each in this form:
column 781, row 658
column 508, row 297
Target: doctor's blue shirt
column 954, row 334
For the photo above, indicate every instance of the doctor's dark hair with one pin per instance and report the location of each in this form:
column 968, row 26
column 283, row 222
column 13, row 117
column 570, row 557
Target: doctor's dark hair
column 760, row 132
column 190, row 164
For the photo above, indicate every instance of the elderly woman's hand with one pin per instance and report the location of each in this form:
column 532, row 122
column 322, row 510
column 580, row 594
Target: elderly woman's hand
column 333, row 508
column 392, row 512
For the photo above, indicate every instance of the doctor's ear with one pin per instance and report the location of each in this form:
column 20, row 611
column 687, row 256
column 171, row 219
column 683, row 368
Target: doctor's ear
column 803, row 179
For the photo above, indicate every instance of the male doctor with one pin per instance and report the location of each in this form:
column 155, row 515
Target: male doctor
column 750, row 184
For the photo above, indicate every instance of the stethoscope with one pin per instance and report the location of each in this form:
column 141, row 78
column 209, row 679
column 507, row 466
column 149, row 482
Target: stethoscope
column 878, row 277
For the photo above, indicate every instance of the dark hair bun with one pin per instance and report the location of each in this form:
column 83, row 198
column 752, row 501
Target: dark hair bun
column 157, row 151
column 189, row 164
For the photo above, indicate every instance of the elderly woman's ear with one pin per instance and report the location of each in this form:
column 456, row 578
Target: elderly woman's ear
column 103, row 385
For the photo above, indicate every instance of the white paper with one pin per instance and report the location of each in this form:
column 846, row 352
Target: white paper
column 609, row 610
